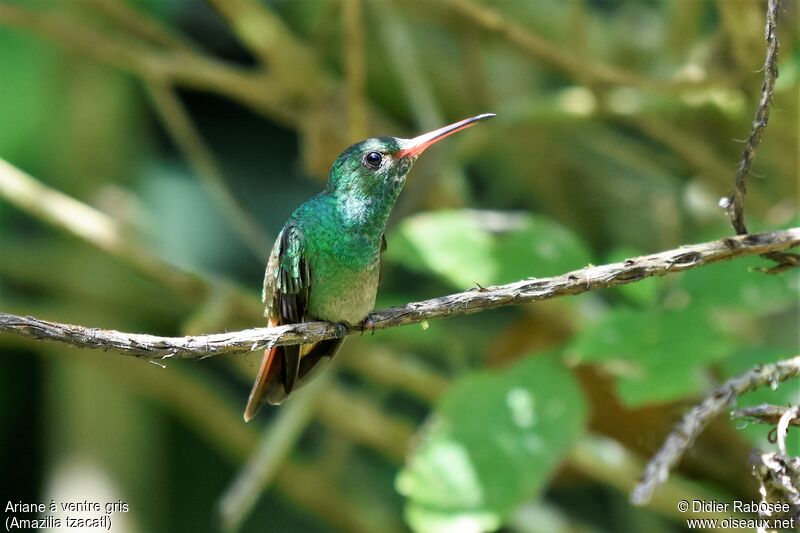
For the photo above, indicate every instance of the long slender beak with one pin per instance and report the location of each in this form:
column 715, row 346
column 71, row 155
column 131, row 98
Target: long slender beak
column 417, row 145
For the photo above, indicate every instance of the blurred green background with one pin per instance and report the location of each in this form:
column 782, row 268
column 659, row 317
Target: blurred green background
column 194, row 129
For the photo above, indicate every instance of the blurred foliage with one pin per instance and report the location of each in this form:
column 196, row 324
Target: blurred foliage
column 492, row 442
column 617, row 132
column 493, row 247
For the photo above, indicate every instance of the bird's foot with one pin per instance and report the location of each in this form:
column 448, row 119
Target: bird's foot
column 342, row 329
column 367, row 324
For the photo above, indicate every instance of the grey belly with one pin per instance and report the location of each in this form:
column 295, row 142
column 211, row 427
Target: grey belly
column 352, row 300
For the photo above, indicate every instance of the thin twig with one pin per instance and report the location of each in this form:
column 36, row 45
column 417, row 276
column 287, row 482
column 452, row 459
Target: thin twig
column 473, row 301
column 264, row 95
column 86, row 223
column 735, row 204
column 283, row 56
column 580, row 68
column 150, row 29
column 292, row 86
column 300, row 80
column 698, row 417
column 274, row 447
column 764, row 414
column 606, row 460
column 109, row 235
column 354, row 415
column 398, row 370
column 179, row 125
column 690, row 147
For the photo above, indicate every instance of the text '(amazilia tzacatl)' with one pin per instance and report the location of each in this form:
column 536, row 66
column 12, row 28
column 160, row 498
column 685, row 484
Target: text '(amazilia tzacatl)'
column 325, row 262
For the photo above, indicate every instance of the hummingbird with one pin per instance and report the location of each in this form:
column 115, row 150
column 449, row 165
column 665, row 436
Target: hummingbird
column 326, row 260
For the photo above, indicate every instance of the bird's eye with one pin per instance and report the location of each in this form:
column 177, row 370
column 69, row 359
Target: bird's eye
column 373, row 159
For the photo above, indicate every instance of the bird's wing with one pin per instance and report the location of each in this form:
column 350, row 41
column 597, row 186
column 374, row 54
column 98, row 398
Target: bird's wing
column 285, row 295
column 289, row 300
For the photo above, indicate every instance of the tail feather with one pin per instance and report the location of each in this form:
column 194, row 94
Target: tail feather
column 271, row 383
column 265, row 381
column 290, row 366
column 317, row 358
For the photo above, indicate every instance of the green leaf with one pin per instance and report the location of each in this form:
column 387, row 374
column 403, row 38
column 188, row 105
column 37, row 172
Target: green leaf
column 486, row 247
column 655, row 356
column 735, row 285
column 492, row 443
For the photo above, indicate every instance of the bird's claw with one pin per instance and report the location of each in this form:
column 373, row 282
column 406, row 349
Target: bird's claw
column 367, row 323
column 342, row 329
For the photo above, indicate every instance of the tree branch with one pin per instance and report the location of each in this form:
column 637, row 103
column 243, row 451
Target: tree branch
column 472, row 301
column 778, row 478
column 306, row 99
column 151, row 30
column 185, row 68
column 178, row 123
column 263, row 465
column 734, row 204
column 109, row 235
column 765, row 414
column 698, row 417
column 558, row 57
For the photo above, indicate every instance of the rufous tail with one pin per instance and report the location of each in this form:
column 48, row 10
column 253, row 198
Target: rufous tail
column 258, row 394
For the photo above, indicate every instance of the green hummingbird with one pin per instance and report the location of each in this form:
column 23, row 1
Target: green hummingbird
column 325, row 262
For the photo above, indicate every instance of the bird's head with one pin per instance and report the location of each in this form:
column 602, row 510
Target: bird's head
column 377, row 167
